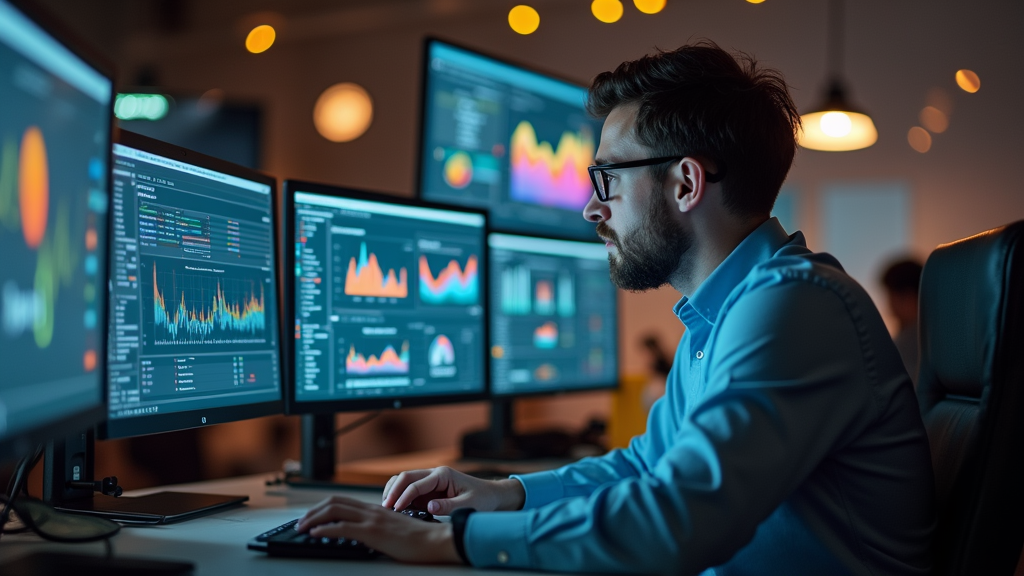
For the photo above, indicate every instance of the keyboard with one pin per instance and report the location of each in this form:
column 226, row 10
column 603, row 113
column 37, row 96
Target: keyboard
column 286, row 541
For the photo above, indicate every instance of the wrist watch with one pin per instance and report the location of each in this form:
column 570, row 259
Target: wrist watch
column 459, row 519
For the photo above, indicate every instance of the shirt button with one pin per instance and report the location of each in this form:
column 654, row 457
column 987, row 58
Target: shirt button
column 503, row 557
column 700, row 354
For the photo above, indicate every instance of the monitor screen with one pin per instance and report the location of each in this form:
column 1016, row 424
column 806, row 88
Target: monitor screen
column 389, row 299
column 55, row 122
column 553, row 316
column 507, row 139
column 194, row 333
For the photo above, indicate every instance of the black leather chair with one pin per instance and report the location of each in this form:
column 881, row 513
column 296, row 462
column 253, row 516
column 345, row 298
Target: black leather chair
column 971, row 388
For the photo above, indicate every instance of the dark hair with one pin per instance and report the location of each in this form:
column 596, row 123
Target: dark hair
column 903, row 276
column 701, row 101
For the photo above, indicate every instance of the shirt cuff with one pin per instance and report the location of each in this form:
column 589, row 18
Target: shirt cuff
column 497, row 540
column 541, row 488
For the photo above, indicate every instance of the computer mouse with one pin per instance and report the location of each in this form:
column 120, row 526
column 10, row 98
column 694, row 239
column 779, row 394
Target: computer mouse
column 419, row 515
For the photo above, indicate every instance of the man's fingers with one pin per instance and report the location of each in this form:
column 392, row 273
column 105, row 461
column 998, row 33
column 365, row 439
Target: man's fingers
column 445, row 506
column 332, row 510
column 431, row 483
column 398, row 484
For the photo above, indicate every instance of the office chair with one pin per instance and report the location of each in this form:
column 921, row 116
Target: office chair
column 971, row 388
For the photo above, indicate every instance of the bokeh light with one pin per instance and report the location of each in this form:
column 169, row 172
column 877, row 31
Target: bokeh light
column 649, row 6
column 939, row 98
column 524, row 19
column 607, row 11
column 968, row 81
column 919, row 139
column 260, row 38
column 934, row 120
column 343, row 112
column 755, row 1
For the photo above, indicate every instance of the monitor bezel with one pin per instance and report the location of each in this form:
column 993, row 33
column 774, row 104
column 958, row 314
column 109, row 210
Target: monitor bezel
column 610, row 386
column 292, row 405
column 174, row 421
column 21, row 444
column 420, row 151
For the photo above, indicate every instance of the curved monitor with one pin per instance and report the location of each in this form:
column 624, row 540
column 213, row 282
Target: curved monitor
column 388, row 298
column 55, row 123
column 554, row 316
column 194, row 316
column 508, row 139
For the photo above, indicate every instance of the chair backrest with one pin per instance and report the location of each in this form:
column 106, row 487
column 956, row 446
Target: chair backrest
column 971, row 387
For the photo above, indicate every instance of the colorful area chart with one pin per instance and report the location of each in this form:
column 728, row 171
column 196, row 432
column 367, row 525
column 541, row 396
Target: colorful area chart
column 452, row 285
column 247, row 317
column 545, row 336
column 549, row 176
column 365, row 278
column 441, row 352
column 389, row 362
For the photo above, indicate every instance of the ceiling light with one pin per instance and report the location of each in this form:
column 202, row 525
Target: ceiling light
column 836, row 125
column 260, row 38
column 343, row 112
column 524, row 19
column 968, row 81
column 649, row 6
column 919, row 139
column 607, row 11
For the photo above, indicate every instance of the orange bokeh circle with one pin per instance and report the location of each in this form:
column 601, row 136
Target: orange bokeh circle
column 33, row 186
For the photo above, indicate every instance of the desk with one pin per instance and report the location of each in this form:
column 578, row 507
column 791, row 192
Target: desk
column 216, row 543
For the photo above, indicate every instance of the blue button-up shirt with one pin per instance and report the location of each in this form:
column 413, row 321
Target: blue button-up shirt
column 789, row 441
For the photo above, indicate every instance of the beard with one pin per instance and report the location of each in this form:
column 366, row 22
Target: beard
column 650, row 254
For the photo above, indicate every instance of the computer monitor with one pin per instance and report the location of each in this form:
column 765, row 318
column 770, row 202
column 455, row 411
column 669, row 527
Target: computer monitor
column 554, row 318
column 388, row 298
column 55, row 125
column 194, row 325
column 553, row 329
column 502, row 137
column 194, row 314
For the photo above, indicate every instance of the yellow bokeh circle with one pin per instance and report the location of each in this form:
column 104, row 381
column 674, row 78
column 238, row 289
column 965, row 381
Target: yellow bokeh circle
column 968, row 81
column 649, row 6
column 607, row 11
column 343, row 112
column 260, row 38
column 524, row 19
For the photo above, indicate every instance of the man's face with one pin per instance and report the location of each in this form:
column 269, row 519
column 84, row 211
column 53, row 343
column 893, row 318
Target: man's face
column 639, row 223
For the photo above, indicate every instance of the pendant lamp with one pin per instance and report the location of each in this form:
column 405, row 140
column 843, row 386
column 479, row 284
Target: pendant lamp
column 836, row 125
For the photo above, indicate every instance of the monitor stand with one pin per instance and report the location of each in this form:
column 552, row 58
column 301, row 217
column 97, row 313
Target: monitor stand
column 318, row 459
column 69, row 486
column 501, row 442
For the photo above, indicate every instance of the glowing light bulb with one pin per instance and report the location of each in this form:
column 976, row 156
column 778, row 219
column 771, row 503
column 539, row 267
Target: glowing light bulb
column 919, row 139
column 343, row 112
column 524, row 19
column 607, row 11
column 649, row 6
column 836, row 124
column 260, row 38
column 968, row 81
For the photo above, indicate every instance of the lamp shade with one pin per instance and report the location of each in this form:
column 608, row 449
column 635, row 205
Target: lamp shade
column 836, row 126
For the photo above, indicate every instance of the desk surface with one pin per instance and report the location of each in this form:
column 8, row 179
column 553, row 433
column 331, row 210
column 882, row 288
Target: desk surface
column 216, row 543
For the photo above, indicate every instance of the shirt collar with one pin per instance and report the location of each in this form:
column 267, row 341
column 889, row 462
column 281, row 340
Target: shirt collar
column 757, row 247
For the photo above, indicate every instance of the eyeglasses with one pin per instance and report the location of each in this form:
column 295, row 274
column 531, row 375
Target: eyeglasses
column 600, row 179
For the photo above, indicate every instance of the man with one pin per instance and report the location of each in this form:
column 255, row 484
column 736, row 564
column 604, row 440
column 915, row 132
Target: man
column 789, row 439
column 902, row 280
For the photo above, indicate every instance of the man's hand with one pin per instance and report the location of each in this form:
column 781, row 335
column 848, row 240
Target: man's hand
column 442, row 490
column 403, row 538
